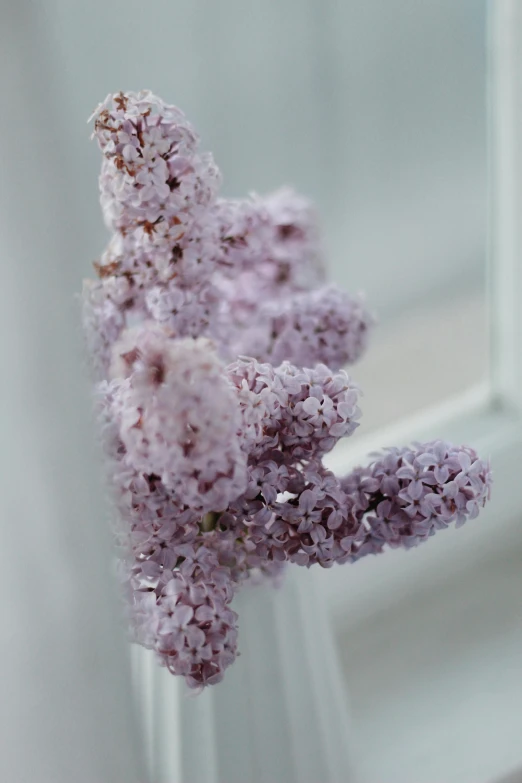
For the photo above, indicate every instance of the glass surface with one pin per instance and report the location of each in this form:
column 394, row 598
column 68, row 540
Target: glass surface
column 374, row 108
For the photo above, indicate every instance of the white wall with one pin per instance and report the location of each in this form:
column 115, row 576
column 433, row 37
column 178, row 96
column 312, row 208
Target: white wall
column 66, row 712
column 373, row 107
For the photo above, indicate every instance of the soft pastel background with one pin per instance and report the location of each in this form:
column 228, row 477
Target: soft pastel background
column 374, row 109
column 377, row 110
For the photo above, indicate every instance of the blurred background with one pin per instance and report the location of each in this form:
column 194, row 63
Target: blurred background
column 375, row 109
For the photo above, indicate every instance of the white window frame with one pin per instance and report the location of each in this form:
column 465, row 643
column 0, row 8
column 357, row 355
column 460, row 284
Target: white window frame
column 487, row 416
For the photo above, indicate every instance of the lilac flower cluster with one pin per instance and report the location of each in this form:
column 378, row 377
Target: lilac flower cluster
column 303, row 412
column 326, row 325
column 270, row 249
column 219, row 354
column 305, row 515
column 178, row 417
column 153, row 181
column 189, row 621
column 408, row 494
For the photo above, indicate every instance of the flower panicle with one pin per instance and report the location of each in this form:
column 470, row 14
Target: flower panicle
column 219, row 352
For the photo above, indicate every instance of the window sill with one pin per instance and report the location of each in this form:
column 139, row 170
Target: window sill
column 434, row 681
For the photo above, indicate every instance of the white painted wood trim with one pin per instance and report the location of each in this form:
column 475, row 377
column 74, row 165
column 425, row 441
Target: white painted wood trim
column 505, row 170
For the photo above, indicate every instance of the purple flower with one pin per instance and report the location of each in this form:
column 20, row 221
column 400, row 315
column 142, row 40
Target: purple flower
column 325, row 326
column 428, row 488
column 217, row 351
